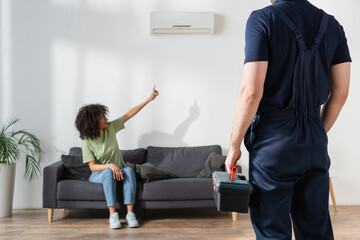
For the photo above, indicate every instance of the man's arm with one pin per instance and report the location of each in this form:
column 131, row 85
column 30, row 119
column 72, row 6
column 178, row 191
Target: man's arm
column 247, row 103
column 340, row 80
column 132, row 112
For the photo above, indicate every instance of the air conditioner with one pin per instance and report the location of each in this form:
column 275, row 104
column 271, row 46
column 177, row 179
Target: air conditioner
column 181, row 22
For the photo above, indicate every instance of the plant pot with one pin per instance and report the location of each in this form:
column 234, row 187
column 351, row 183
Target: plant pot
column 7, row 180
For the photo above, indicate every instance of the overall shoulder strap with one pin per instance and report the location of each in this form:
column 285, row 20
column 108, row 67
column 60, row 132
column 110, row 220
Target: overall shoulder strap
column 298, row 36
column 321, row 31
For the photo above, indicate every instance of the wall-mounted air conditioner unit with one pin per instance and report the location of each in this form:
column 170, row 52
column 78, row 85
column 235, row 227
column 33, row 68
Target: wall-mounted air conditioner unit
column 181, row 22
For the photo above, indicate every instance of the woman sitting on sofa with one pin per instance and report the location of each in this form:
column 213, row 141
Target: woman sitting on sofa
column 100, row 149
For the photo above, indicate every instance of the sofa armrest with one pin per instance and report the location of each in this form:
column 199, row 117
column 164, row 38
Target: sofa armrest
column 52, row 174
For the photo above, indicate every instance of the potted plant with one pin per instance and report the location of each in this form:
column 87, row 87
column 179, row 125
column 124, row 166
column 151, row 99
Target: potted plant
column 16, row 145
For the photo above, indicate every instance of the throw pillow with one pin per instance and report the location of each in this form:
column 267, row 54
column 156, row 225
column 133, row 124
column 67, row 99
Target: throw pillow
column 148, row 172
column 75, row 168
column 214, row 162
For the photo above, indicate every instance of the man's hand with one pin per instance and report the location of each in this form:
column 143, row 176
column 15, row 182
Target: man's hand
column 118, row 175
column 232, row 157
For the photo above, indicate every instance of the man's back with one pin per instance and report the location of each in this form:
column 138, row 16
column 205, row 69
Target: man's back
column 269, row 39
column 295, row 64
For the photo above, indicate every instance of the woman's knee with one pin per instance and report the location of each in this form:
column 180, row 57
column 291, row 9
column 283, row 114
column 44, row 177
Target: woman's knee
column 107, row 171
column 128, row 172
column 108, row 174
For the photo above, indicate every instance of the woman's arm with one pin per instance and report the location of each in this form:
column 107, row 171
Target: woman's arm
column 132, row 112
column 118, row 175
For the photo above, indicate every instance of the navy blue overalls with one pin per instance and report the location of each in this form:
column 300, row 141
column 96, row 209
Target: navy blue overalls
column 288, row 161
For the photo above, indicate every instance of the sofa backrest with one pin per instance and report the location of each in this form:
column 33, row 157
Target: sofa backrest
column 181, row 161
column 75, row 151
column 134, row 155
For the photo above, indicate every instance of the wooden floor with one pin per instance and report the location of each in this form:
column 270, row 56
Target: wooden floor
column 174, row 224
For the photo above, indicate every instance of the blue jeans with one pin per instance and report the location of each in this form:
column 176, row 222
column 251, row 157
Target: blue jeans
column 109, row 184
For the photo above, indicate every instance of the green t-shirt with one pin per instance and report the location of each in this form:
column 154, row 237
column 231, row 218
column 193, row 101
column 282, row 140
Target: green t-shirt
column 105, row 148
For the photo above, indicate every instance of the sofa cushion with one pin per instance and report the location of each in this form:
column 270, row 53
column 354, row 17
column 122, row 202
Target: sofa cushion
column 178, row 189
column 136, row 156
column 75, row 151
column 181, row 161
column 75, row 168
column 71, row 190
column 78, row 190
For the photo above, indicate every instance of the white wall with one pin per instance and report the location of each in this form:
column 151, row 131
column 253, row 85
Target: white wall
column 59, row 55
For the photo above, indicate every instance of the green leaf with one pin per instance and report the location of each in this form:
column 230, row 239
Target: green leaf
column 15, row 144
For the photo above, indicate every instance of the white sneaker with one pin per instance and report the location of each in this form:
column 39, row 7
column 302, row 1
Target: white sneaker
column 114, row 220
column 131, row 220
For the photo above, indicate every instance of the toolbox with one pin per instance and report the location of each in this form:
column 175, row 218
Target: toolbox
column 231, row 192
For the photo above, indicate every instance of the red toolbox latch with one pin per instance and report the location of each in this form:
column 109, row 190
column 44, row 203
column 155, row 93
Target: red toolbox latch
column 233, row 171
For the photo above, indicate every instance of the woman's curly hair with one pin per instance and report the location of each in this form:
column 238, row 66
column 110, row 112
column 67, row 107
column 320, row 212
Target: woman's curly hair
column 87, row 120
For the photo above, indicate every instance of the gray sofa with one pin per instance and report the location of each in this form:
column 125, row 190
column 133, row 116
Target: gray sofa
column 186, row 191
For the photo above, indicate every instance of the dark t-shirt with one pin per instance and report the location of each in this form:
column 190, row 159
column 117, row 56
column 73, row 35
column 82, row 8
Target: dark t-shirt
column 269, row 39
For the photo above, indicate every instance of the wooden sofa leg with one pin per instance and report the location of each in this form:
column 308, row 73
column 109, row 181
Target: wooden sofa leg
column 332, row 194
column 50, row 214
column 234, row 216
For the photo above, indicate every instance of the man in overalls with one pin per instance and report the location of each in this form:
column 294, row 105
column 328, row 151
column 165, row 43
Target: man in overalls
column 296, row 60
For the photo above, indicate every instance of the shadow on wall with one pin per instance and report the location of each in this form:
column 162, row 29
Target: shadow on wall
column 219, row 24
column 157, row 138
